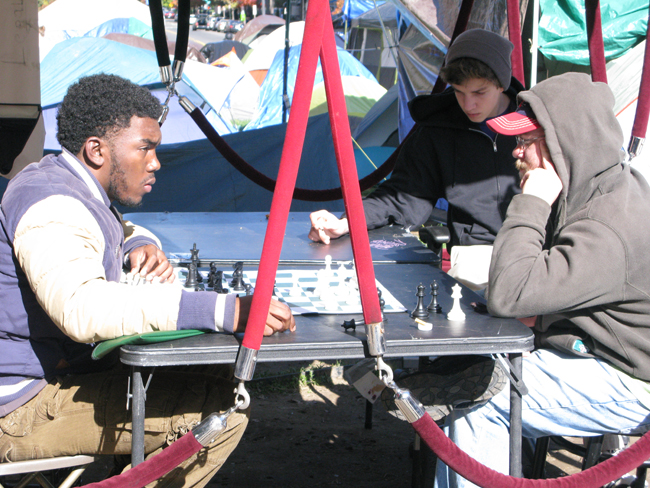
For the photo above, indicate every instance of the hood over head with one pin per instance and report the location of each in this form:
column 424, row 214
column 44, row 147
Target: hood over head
column 582, row 133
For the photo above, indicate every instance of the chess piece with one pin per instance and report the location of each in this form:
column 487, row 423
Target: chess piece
column 218, row 283
column 434, row 306
column 195, row 260
column 249, row 289
column 212, row 275
column 349, row 324
column 456, row 314
column 237, row 282
column 192, row 274
column 420, row 311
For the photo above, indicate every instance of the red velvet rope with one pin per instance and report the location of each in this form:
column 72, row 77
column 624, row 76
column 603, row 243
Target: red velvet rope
column 477, row 473
column 595, row 38
column 269, row 184
column 643, row 105
column 155, row 467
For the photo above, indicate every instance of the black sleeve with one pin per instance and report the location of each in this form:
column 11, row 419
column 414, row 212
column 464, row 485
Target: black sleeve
column 411, row 192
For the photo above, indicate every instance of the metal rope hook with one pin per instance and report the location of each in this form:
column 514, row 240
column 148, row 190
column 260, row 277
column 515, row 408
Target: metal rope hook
column 242, row 398
column 382, row 367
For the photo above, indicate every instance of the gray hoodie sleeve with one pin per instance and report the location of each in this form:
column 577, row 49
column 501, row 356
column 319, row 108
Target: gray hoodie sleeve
column 527, row 280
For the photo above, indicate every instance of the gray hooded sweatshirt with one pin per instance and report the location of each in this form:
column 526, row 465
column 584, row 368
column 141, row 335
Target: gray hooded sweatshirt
column 583, row 265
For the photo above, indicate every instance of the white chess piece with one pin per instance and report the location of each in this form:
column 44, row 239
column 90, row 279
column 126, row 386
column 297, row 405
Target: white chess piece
column 295, row 287
column 456, row 314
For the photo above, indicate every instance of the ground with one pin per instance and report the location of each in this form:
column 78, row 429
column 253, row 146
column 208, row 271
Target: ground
column 307, row 430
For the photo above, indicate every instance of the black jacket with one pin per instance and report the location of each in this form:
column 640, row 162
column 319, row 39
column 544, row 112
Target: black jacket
column 448, row 156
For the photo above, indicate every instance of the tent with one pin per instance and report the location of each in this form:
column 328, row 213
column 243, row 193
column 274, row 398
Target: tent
column 240, row 104
column 260, row 58
column 206, row 86
column 372, row 36
column 122, row 25
column 65, row 19
column 379, row 126
column 261, row 25
column 360, row 95
column 193, row 48
column 214, row 50
column 270, row 106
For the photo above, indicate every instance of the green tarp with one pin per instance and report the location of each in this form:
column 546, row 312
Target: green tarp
column 563, row 30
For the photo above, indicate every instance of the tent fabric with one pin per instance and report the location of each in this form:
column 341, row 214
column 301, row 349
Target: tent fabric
column 193, row 48
column 124, row 26
column 563, row 31
column 371, row 39
column 214, row 50
column 270, row 106
column 261, row 57
column 260, row 25
column 65, row 19
column 83, row 56
column 240, row 104
column 380, row 123
column 360, row 95
column 354, row 8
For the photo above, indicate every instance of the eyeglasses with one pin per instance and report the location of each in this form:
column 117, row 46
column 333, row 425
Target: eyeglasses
column 524, row 143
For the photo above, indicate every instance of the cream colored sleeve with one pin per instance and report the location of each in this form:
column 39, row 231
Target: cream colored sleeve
column 60, row 247
column 132, row 231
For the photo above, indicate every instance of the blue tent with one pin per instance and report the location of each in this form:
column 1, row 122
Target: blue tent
column 74, row 58
column 270, row 105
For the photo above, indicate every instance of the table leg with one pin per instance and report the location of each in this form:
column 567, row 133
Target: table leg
column 137, row 416
column 515, row 419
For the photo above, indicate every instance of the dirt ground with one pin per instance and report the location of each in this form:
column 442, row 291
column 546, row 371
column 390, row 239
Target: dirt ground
column 312, row 434
column 307, row 430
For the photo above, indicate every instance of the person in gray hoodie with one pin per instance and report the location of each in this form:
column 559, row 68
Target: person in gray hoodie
column 572, row 260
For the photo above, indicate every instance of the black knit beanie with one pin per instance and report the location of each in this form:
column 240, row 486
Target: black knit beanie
column 486, row 46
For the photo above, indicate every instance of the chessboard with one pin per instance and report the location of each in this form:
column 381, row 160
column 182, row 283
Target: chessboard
column 305, row 292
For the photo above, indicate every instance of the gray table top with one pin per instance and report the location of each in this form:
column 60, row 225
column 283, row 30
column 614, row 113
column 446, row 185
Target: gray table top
column 239, row 236
column 323, row 337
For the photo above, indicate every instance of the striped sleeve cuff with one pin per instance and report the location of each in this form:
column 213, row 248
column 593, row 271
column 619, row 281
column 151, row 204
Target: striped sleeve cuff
column 207, row 311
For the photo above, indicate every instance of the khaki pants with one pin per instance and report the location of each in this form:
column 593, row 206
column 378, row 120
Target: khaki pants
column 86, row 414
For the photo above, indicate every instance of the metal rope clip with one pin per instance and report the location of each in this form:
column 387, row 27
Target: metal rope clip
column 213, row 425
column 171, row 91
column 382, row 367
column 242, row 398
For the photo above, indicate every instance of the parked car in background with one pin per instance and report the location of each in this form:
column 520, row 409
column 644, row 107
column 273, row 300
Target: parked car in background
column 212, row 22
column 201, row 22
column 233, row 26
column 192, row 19
column 221, row 25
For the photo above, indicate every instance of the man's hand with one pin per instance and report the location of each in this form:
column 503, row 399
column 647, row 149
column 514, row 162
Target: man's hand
column 543, row 182
column 151, row 263
column 279, row 318
column 325, row 226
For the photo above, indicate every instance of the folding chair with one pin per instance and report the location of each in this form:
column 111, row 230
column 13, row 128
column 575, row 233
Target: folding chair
column 33, row 471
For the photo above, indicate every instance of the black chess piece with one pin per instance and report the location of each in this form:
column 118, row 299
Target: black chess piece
column 212, row 275
column 218, row 283
column 237, row 282
column 349, row 324
column 249, row 289
column 192, row 274
column 195, row 261
column 420, row 311
column 434, row 306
